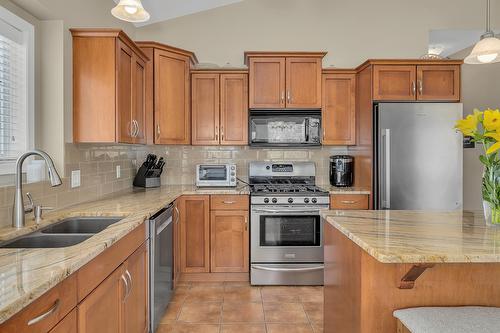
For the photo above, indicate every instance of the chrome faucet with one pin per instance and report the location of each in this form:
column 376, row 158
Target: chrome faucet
column 18, row 219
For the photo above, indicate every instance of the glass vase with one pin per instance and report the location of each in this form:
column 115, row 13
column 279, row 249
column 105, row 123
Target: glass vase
column 491, row 194
column 491, row 215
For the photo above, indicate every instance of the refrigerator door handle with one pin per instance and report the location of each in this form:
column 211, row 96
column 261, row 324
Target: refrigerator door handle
column 386, row 135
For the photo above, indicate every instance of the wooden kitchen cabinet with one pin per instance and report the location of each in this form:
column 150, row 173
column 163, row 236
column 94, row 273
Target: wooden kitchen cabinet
column 229, row 241
column 67, row 325
column 168, row 94
column 349, row 201
column 176, row 243
column 219, row 108
column 194, row 233
column 284, row 80
column 109, row 77
column 339, row 109
column 417, row 82
column 136, row 302
column 438, row 83
column 102, row 310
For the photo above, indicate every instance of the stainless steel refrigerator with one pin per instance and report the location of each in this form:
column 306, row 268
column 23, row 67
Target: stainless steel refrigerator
column 418, row 156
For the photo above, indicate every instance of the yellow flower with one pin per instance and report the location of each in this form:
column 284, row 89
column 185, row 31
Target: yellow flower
column 496, row 146
column 491, row 120
column 468, row 126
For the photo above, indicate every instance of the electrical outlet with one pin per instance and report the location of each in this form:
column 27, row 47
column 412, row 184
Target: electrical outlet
column 75, row 178
column 118, row 171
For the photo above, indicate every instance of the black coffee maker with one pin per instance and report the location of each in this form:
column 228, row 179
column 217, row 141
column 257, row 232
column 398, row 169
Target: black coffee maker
column 341, row 170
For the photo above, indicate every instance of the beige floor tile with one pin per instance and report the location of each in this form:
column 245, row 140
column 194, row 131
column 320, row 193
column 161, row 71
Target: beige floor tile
column 237, row 312
column 317, row 328
column 205, row 293
column 313, row 297
column 165, row 328
column 273, row 298
column 284, row 313
column 287, row 328
column 173, row 310
column 200, row 313
column 243, row 328
column 242, row 294
column 280, row 294
column 279, row 290
column 188, row 328
column 314, row 311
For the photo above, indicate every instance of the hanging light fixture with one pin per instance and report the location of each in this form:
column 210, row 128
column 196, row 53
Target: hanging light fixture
column 130, row 11
column 487, row 50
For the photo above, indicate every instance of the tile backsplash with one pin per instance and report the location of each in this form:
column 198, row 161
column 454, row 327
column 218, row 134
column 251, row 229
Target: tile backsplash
column 97, row 164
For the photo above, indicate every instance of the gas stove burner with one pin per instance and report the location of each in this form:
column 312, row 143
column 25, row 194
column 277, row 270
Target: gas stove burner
column 287, row 189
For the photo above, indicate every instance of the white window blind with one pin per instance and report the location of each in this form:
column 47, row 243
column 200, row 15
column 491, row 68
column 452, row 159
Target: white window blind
column 16, row 41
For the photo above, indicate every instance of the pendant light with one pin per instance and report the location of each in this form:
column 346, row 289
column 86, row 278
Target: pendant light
column 130, row 11
column 487, row 50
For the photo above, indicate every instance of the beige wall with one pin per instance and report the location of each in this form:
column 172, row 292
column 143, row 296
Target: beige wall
column 351, row 31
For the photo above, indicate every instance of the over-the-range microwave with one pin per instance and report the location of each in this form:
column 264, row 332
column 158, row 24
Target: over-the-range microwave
column 216, row 175
column 284, row 128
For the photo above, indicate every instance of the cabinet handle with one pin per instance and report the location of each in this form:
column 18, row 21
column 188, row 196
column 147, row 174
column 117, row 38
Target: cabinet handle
column 136, row 127
column 125, row 281
column 222, row 133
column 282, row 97
column 228, row 202
column 420, row 87
column 216, row 133
column 288, row 96
column 246, row 223
column 49, row 312
column 130, row 280
column 349, row 202
column 413, row 88
column 158, row 132
column 324, row 134
column 178, row 217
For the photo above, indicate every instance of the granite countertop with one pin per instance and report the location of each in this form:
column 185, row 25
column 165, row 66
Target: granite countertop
column 419, row 236
column 344, row 190
column 26, row 274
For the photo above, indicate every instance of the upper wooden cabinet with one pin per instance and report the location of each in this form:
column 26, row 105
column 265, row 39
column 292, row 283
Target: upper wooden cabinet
column 339, row 109
column 109, row 77
column 219, row 108
column 284, row 80
column 420, row 82
column 168, row 92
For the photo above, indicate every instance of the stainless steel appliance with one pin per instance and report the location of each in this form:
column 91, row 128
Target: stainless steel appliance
column 418, row 156
column 341, row 170
column 284, row 129
column 286, row 233
column 216, row 175
column 160, row 264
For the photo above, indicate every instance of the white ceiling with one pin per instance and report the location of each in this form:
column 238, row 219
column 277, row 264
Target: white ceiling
column 162, row 10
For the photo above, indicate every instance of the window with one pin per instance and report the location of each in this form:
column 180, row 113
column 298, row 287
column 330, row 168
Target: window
column 16, row 88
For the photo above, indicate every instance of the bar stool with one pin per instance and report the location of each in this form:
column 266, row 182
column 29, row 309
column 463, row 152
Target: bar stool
column 464, row 319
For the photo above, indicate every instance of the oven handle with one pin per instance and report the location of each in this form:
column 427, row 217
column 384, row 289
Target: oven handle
column 285, row 211
column 277, row 269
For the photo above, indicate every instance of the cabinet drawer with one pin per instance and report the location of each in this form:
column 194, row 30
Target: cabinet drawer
column 45, row 312
column 349, row 201
column 229, row 202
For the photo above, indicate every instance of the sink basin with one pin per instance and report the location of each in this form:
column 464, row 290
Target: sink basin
column 44, row 241
column 81, row 225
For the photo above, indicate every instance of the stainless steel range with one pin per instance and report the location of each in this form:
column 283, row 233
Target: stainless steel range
column 286, row 229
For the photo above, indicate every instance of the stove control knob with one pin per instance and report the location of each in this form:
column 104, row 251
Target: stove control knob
column 290, row 200
column 314, row 200
column 266, row 200
column 274, row 200
column 306, row 200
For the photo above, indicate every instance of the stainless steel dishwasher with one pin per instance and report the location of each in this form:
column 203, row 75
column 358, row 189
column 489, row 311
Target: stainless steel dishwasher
column 160, row 264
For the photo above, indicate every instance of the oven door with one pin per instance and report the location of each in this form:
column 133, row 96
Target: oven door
column 283, row 234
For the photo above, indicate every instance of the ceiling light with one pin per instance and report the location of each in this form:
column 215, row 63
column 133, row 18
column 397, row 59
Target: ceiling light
column 130, row 11
column 487, row 50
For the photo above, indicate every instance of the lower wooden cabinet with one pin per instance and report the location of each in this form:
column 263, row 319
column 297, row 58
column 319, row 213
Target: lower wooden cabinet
column 195, row 233
column 67, row 325
column 229, row 241
column 349, row 201
column 176, row 242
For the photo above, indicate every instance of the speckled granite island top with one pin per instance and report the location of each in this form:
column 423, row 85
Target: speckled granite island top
column 26, row 274
column 420, row 237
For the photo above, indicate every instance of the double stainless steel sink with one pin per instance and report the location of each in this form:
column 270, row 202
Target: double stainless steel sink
column 68, row 232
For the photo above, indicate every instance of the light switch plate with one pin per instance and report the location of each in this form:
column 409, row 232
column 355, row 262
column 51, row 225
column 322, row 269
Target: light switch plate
column 75, row 178
column 118, row 171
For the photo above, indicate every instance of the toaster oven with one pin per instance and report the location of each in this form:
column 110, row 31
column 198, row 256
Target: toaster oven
column 216, row 175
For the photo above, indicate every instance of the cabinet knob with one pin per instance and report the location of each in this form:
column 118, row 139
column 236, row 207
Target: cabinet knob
column 158, row 132
column 216, row 133
column 413, row 88
column 420, row 87
column 289, row 96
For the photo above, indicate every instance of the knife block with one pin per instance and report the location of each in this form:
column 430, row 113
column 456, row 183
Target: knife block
column 142, row 180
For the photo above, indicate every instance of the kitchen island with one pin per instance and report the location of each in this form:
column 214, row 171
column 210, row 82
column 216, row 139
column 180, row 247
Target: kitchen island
column 379, row 261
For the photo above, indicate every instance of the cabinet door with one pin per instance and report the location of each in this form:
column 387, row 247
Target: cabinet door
column 136, row 302
column 229, row 241
column 438, row 83
column 194, row 233
column 124, row 70
column 394, row 83
column 102, row 310
column 172, row 123
column 339, row 110
column 234, row 109
column 176, row 243
column 205, row 109
column 303, row 83
column 267, row 83
column 349, row 201
column 67, row 325
column 139, row 100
